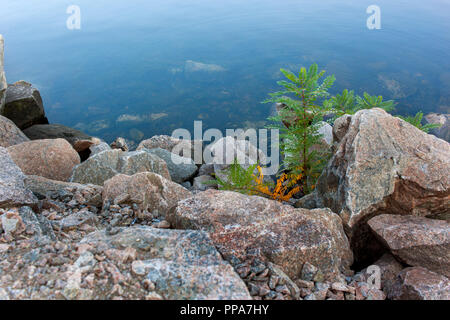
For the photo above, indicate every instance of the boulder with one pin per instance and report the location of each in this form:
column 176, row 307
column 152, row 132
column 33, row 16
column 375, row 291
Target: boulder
column 86, row 194
column 389, row 269
column 79, row 140
column 417, row 283
column 444, row 120
column 383, row 165
column 23, row 105
column 99, row 147
column 51, row 158
column 3, row 84
column 149, row 191
column 9, row 134
column 181, row 264
column 204, row 182
column 241, row 226
column 169, row 143
column 105, row 165
column 12, row 187
column 417, row 241
column 181, row 169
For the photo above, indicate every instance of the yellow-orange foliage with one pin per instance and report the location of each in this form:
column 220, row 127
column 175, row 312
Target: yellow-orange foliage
column 279, row 192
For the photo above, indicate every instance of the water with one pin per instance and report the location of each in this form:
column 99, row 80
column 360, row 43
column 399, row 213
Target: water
column 145, row 67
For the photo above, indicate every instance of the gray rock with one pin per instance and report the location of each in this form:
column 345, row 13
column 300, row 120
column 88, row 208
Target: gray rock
column 444, row 120
column 38, row 224
column 3, row 84
column 100, row 147
column 181, row 264
column 181, row 169
column 105, row 165
column 184, row 148
column 206, row 169
column 23, row 105
column 9, row 134
column 12, row 187
column 204, row 182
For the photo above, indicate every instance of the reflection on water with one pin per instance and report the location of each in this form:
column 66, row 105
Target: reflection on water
column 141, row 68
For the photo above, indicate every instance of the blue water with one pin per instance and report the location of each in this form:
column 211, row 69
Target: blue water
column 125, row 71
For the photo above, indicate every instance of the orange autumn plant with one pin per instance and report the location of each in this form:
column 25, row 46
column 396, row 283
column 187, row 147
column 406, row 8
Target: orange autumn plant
column 247, row 182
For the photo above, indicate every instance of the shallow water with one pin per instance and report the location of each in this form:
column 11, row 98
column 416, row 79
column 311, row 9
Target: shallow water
column 144, row 67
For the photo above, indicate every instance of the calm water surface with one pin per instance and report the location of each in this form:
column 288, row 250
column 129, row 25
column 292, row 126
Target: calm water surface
column 144, row 67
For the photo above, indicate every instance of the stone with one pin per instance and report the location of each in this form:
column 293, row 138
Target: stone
column 149, row 191
column 204, row 182
column 206, row 169
column 121, row 144
column 3, row 84
column 9, row 134
column 181, row 264
column 99, row 147
column 383, row 165
column 107, row 164
column 442, row 119
column 240, row 225
column 50, row 158
column 12, row 187
column 55, row 131
column 340, row 127
column 23, row 105
column 389, row 269
column 181, row 169
column 42, row 187
column 417, row 283
column 183, row 148
column 417, row 241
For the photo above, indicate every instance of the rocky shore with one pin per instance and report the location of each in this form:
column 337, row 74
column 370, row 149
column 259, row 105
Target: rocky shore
column 84, row 219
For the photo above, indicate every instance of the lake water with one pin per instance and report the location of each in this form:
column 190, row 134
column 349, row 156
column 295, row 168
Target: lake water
column 145, row 67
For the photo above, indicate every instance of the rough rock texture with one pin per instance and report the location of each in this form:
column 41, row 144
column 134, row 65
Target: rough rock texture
column 79, row 140
column 444, row 120
column 417, row 241
column 43, row 187
column 184, row 148
column 23, row 105
column 9, row 134
column 180, row 264
column 148, row 190
column 242, row 225
column 99, row 147
column 105, row 165
column 51, row 158
column 3, row 84
column 384, row 165
column 12, row 187
column 181, row 169
column 417, row 283
column 389, row 269
column 204, row 182
column 121, row 144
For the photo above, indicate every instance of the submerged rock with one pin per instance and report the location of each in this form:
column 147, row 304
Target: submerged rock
column 105, row 165
column 383, row 165
column 180, row 264
column 148, row 190
column 50, row 158
column 241, row 225
column 416, row 241
column 12, row 187
column 23, row 105
column 9, row 134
